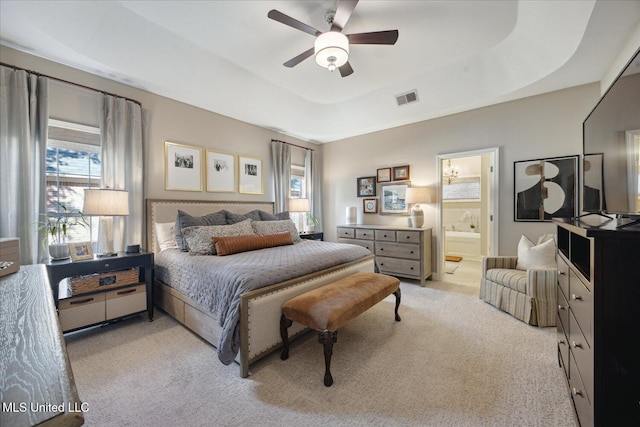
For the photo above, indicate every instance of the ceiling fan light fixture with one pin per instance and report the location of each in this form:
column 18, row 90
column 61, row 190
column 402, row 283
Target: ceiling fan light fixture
column 331, row 50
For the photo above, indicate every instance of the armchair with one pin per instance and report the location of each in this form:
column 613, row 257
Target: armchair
column 528, row 295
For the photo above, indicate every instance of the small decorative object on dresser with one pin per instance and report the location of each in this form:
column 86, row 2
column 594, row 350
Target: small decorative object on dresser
column 366, row 186
column 417, row 195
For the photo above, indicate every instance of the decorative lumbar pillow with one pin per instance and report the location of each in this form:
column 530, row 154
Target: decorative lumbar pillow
column 531, row 255
column 185, row 220
column 200, row 238
column 165, row 235
column 272, row 227
column 236, row 244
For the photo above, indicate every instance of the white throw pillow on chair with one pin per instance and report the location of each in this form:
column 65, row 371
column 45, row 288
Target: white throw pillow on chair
column 531, row 255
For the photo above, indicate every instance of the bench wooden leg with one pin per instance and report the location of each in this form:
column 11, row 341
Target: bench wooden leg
column 397, row 294
column 284, row 334
column 327, row 338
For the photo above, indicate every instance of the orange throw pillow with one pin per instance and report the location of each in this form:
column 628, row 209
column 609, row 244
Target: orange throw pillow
column 228, row 245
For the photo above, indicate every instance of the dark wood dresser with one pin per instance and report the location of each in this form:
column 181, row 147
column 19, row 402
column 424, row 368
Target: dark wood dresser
column 35, row 378
column 599, row 321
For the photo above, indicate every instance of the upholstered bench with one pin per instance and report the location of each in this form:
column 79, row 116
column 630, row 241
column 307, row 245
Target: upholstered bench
column 327, row 308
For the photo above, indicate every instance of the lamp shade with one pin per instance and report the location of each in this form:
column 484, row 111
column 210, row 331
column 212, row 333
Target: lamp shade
column 418, row 195
column 106, row 202
column 331, row 50
column 299, row 205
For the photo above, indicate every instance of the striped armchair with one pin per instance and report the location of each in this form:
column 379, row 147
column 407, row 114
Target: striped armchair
column 527, row 295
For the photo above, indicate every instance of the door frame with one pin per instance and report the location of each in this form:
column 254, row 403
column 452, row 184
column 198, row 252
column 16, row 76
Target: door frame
column 494, row 179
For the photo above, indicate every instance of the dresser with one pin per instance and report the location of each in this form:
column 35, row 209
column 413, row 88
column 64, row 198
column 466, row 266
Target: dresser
column 598, row 325
column 399, row 251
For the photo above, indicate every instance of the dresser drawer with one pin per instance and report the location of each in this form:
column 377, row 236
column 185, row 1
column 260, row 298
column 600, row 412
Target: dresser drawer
column 345, row 232
column 367, row 244
column 398, row 266
column 582, row 354
column 563, row 276
column 581, row 398
column 563, row 347
column 581, row 303
column 81, row 311
column 408, row 236
column 563, row 310
column 386, row 235
column 364, row 234
column 121, row 302
column 409, row 251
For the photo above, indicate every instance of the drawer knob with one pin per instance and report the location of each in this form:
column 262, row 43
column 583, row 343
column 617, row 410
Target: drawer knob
column 381, row 249
column 411, row 268
column 411, row 252
column 576, row 344
column 576, row 297
column 577, row 392
column 385, row 235
column 561, row 341
column 562, row 273
column 382, row 263
column 561, row 307
column 408, row 237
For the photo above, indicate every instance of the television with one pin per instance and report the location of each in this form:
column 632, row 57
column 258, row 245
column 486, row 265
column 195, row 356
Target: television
column 611, row 150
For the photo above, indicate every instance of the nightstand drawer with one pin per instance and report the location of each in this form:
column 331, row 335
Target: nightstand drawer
column 398, row 266
column 398, row 250
column 364, row 234
column 81, row 311
column 408, row 237
column 348, row 233
column 386, row 235
column 121, row 302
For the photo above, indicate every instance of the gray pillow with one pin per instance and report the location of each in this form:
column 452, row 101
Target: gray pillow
column 266, row 216
column 200, row 238
column 255, row 215
column 185, row 220
column 272, row 227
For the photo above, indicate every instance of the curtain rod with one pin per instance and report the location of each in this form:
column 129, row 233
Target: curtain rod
column 71, row 83
column 289, row 143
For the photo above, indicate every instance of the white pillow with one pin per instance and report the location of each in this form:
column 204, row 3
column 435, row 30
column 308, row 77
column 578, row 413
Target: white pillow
column 165, row 235
column 531, row 255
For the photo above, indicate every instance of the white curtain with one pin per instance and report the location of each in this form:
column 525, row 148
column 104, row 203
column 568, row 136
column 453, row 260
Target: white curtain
column 24, row 114
column 313, row 167
column 281, row 165
column 122, row 164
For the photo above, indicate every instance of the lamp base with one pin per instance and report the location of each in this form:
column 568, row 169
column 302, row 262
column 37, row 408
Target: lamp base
column 105, row 237
column 417, row 217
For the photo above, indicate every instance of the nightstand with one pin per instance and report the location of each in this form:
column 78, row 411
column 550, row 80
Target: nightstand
column 101, row 305
column 312, row 236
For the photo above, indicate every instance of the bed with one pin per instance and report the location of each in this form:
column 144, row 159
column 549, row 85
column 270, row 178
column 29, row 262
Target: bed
column 255, row 311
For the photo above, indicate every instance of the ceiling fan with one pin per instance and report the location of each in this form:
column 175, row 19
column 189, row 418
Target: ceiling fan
column 331, row 48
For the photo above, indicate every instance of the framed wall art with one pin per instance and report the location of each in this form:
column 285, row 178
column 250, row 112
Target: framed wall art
column 384, row 175
column 370, row 206
column 250, row 172
column 545, row 188
column 182, row 167
column 366, row 186
column 400, row 173
column 80, row 251
column 221, row 172
column 393, row 199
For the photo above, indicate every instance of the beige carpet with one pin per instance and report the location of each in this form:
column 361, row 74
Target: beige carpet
column 452, row 361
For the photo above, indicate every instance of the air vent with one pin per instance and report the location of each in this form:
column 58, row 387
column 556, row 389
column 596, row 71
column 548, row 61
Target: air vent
column 407, row 98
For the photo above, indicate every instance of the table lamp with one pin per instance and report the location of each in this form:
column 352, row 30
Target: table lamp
column 417, row 195
column 299, row 205
column 105, row 203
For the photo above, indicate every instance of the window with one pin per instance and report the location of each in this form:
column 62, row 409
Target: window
column 298, row 190
column 73, row 163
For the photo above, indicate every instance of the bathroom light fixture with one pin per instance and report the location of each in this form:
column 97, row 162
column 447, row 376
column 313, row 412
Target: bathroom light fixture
column 450, row 173
column 331, row 50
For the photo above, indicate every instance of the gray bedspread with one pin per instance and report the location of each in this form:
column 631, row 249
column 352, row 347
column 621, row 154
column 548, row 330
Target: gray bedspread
column 216, row 282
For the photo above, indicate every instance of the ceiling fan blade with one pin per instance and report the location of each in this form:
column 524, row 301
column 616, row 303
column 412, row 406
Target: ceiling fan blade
column 298, row 59
column 287, row 20
column 343, row 13
column 376, row 37
column 346, row 70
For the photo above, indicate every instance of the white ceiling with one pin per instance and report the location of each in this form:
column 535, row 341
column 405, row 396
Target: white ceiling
column 227, row 56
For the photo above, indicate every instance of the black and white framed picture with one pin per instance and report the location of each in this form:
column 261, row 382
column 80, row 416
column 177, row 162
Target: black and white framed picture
column 221, row 172
column 393, row 199
column 592, row 191
column 366, row 186
column 250, row 172
column 546, row 188
column 370, row 206
column 182, row 167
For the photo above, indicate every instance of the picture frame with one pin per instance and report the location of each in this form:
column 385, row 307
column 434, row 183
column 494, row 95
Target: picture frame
column 80, row 251
column 221, row 172
column 366, row 186
column 250, row 175
column 384, row 175
column 400, row 173
column 545, row 188
column 392, row 199
column 182, row 167
column 370, row 206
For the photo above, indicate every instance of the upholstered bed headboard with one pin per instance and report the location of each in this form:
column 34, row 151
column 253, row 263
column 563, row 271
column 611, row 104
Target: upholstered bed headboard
column 159, row 210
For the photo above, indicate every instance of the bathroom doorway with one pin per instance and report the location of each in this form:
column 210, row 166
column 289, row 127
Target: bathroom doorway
column 467, row 215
